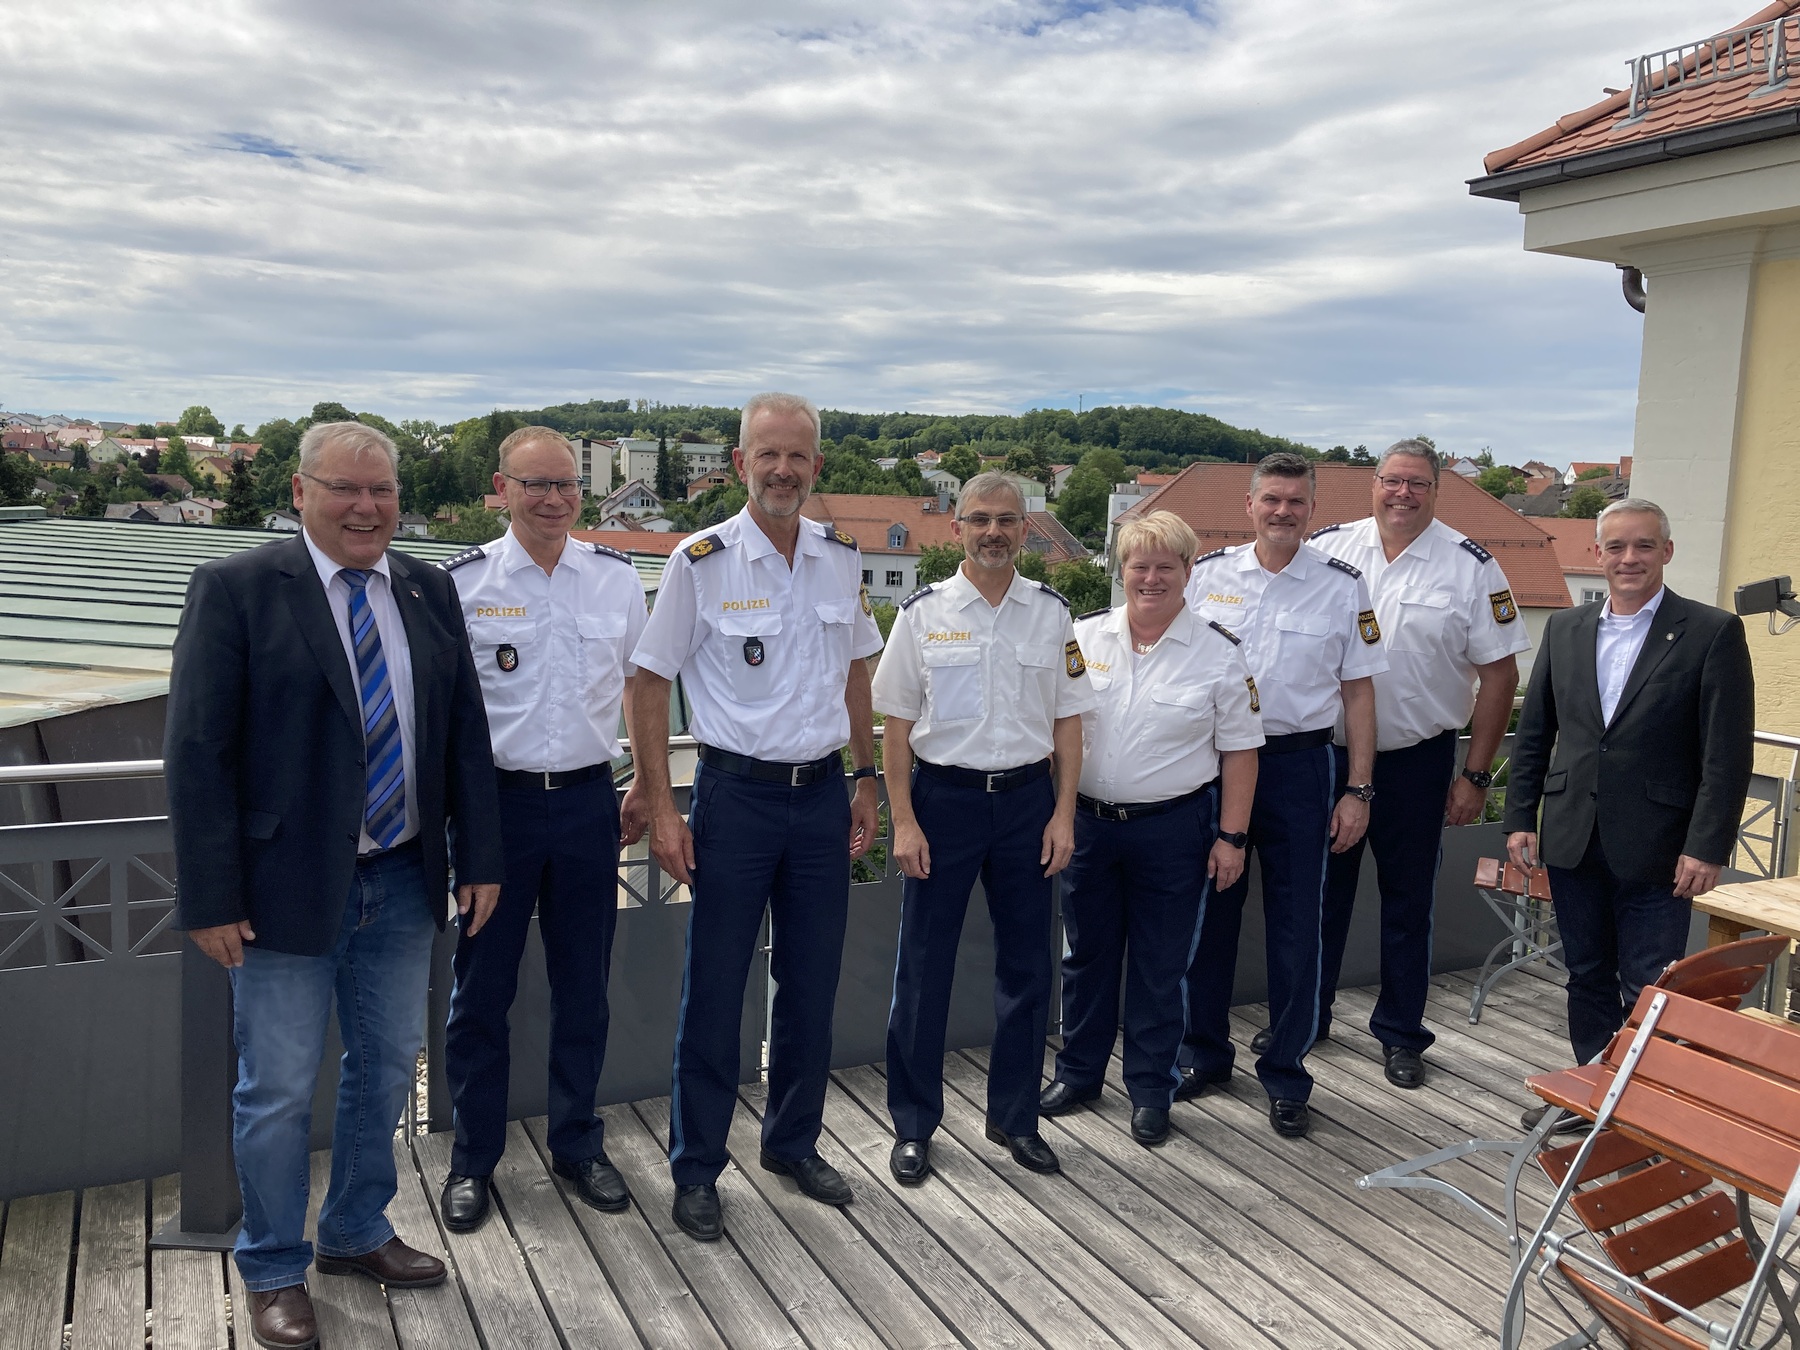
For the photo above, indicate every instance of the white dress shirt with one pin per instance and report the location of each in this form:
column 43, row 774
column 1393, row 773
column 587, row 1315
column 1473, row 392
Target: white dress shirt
column 552, row 650
column 1616, row 647
column 399, row 664
column 1161, row 719
column 1444, row 607
column 983, row 684
column 763, row 650
column 1306, row 629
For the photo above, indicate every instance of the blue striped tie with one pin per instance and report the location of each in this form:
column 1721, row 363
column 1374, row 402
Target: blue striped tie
column 384, row 807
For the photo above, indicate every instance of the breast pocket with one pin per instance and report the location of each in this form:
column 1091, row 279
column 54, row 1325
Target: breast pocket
column 1180, row 714
column 953, row 684
column 837, row 620
column 506, row 659
column 750, row 644
column 1302, row 646
column 602, row 662
column 1424, row 621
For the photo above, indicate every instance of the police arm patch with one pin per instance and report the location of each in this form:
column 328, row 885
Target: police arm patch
column 1505, row 611
column 1072, row 659
column 863, row 592
column 839, row 537
column 1250, row 682
column 703, row 546
column 1368, row 627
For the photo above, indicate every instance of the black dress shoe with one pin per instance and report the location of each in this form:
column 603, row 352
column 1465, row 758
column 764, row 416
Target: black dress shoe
column 597, row 1182
column 464, row 1203
column 1569, row 1124
column 910, row 1162
column 1403, row 1067
column 1291, row 1119
column 1149, row 1125
column 1028, row 1150
column 1193, row 1085
column 816, row 1178
column 697, row 1212
column 1259, row 1043
column 1060, row 1097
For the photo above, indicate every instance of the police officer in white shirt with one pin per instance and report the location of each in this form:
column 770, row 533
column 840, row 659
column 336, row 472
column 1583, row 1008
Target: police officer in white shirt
column 983, row 686
column 1312, row 643
column 552, row 622
column 1168, row 772
column 766, row 621
column 1453, row 633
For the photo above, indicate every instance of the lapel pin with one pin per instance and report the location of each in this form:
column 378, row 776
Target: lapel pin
column 415, row 594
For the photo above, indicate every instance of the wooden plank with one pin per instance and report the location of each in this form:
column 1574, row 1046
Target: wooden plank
column 663, row 1308
column 1772, row 906
column 728, row 1289
column 187, row 1289
column 837, row 1242
column 109, row 1269
column 574, row 1288
column 793, row 1276
column 34, row 1270
column 424, row 1319
column 351, row 1309
column 502, row 1298
column 918, row 1257
column 1538, row 1002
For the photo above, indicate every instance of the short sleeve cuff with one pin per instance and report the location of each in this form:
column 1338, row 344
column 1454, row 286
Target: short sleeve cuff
column 653, row 662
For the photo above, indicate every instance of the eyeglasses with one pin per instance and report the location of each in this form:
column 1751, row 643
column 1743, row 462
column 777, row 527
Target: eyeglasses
column 349, row 492
column 1419, row 486
column 540, row 487
column 981, row 520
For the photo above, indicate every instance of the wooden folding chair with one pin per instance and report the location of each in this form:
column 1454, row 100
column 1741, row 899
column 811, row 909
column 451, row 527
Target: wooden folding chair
column 1521, row 901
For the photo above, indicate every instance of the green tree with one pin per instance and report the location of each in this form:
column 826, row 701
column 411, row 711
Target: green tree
column 1081, row 505
column 473, row 525
column 18, row 479
column 938, row 561
column 199, row 421
column 241, row 510
column 1584, row 503
column 1031, row 462
column 1598, row 471
column 670, row 483
column 884, row 619
column 239, row 434
column 175, row 460
column 1497, row 480
column 91, row 503
column 80, row 461
column 1083, row 584
column 961, row 461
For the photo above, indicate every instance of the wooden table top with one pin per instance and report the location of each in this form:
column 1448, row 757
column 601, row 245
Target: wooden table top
column 1772, row 906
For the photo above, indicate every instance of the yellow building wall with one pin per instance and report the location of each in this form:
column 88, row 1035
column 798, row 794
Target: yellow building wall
column 1763, row 521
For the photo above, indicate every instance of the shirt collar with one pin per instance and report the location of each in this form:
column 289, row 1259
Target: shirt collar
column 1298, row 568
column 514, row 557
column 328, row 569
column 756, row 544
column 962, row 592
column 1423, row 547
column 1642, row 616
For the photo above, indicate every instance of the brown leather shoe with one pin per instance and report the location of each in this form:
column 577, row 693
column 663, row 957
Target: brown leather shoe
column 282, row 1319
column 393, row 1263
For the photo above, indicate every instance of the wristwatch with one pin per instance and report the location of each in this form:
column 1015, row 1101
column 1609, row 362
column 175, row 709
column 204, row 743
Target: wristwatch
column 1480, row 778
column 1239, row 839
column 867, row 771
column 1363, row 792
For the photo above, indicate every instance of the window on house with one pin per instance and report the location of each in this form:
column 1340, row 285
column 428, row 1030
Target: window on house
column 1588, row 595
column 896, row 536
column 895, row 578
column 868, row 576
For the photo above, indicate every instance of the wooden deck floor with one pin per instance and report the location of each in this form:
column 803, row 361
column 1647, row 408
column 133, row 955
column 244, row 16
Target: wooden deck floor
column 1226, row 1237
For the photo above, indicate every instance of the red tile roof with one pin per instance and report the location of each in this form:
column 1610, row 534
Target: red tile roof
column 1210, row 498
column 1601, row 126
column 1573, row 541
column 867, row 518
column 662, row 543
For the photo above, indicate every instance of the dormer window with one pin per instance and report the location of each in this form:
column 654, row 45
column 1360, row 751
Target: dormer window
column 896, row 536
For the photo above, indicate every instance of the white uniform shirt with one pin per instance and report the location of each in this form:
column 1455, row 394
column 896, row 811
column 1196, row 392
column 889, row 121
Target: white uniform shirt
column 1445, row 607
column 394, row 651
column 1162, row 718
column 1306, row 629
column 1616, row 649
column 763, row 650
column 553, row 652
column 983, row 684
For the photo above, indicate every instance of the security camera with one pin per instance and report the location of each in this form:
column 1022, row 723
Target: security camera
column 1771, row 596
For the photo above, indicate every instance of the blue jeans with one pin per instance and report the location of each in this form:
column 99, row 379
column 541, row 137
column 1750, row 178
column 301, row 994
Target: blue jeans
column 377, row 972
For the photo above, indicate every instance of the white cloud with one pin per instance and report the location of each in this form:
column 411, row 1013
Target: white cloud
column 1252, row 208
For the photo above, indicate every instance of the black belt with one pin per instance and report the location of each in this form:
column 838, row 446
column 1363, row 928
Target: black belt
column 377, row 854
column 1136, row 810
column 1000, row 780
column 1296, row 740
column 771, row 771
column 549, row 782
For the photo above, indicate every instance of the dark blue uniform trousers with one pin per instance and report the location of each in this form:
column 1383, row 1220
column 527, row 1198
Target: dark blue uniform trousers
column 1131, row 900
column 1290, row 831
column 562, row 855
column 759, row 846
column 998, row 836
column 1406, row 834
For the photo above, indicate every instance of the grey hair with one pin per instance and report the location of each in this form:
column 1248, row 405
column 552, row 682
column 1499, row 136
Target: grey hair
column 1412, row 450
column 357, row 437
column 1634, row 506
column 528, row 435
column 986, row 485
column 1285, row 464
column 780, row 403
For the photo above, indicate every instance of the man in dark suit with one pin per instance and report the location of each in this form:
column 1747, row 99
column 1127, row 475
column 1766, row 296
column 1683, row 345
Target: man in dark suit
column 325, row 722
column 1636, row 742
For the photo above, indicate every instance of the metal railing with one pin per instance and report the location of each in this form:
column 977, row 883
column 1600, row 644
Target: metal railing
column 1768, row 49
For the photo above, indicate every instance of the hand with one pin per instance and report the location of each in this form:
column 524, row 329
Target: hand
column 634, row 814
column 1059, row 844
column 672, row 842
column 864, row 821
column 475, row 902
column 225, row 942
column 1348, row 822
column 1464, row 804
column 1522, row 848
column 1693, row 877
column 911, row 851
column 1225, row 864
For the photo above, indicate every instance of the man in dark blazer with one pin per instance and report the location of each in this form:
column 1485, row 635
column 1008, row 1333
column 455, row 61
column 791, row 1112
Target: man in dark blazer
column 325, row 723
column 1636, row 743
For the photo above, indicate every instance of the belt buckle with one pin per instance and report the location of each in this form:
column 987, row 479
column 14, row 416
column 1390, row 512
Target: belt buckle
column 1121, row 814
column 997, row 774
column 548, row 785
column 794, row 777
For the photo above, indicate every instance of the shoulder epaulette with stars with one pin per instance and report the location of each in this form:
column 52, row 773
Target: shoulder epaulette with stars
column 1343, row 566
column 1481, row 554
column 708, row 543
column 604, row 551
column 1094, row 613
column 1225, row 632
column 918, row 595
column 468, row 555
column 837, row 536
column 1048, row 589
column 1216, row 553
column 1325, row 530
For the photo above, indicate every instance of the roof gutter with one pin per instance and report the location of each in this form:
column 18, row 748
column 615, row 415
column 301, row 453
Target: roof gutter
column 1508, row 186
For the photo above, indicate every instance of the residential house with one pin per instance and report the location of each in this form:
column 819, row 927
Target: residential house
column 164, row 483
column 84, row 432
column 943, row 481
column 1059, row 475
column 106, row 450
column 1047, row 537
column 1573, row 541
column 285, row 521
column 637, row 458
column 1468, row 468
column 634, row 498
column 144, row 513
column 594, row 462
column 891, row 531
column 21, row 438
column 706, row 481
column 414, row 524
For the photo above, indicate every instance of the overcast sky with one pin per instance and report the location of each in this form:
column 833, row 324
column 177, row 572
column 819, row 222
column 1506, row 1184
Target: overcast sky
column 1253, row 208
